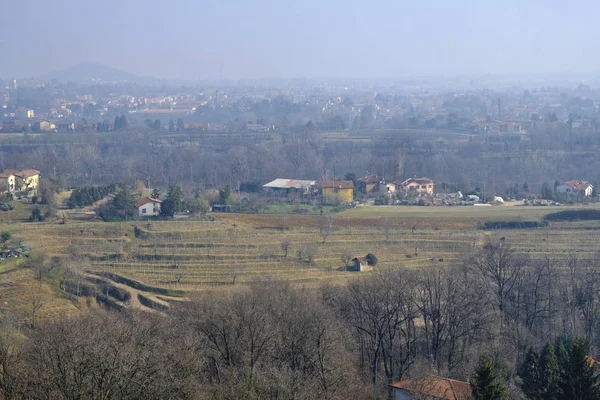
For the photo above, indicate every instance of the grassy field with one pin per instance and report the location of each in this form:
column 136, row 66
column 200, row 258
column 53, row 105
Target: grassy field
column 187, row 256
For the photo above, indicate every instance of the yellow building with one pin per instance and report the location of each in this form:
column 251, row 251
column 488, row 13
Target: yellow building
column 337, row 192
column 30, row 113
column 25, row 180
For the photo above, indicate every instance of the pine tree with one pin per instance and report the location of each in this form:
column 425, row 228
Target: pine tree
column 550, row 373
column 117, row 125
column 123, row 123
column 124, row 199
column 580, row 378
column 171, row 126
column 173, row 203
column 180, row 125
column 532, row 378
column 487, row 383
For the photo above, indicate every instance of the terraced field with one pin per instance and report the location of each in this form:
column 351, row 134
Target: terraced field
column 189, row 256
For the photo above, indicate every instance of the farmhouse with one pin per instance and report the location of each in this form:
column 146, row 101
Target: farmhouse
column 21, row 180
column 369, row 184
column 148, row 207
column 337, row 191
column 577, row 187
column 431, row 387
column 416, row 185
column 284, row 187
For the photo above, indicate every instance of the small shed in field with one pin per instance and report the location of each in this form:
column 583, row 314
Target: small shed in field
column 361, row 264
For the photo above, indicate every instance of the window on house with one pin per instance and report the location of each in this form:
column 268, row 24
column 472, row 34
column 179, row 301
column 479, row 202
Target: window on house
column 143, row 211
column 423, row 187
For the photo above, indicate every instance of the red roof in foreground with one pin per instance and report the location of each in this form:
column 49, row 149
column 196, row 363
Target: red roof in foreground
column 147, row 200
column 440, row 388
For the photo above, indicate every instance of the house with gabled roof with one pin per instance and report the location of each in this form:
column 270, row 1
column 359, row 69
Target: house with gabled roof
column 21, row 180
column 416, row 185
column 576, row 187
column 337, row 191
column 148, row 207
column 369, row 184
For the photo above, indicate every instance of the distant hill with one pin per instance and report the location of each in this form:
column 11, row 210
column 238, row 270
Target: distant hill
column 92, row 73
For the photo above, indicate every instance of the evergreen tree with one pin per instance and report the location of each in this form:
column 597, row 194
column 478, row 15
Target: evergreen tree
column 123, row 123
column 225, row 194
column 171, row 126
column 156, row 125
column 550, row 373
column 125, row 198
column 531, row 375
column 180, row 125
column 488, row 383
column 173, row 203
column 117, row 123
column 580, row 378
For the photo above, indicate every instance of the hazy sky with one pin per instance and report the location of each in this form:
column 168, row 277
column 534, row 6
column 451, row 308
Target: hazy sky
column 191, row 39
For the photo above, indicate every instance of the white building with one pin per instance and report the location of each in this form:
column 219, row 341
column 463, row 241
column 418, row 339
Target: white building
column 148, row 207
column 575, row 188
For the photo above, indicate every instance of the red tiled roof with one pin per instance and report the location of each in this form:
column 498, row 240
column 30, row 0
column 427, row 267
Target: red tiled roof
column 337, row 184
column 578, row 184
column 147, row 200
column 442, row 388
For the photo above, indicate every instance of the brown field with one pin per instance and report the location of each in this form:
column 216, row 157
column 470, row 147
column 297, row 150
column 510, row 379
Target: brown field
column 193, row 256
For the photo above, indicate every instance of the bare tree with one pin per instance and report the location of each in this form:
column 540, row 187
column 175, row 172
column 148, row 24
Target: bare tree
column 285, row 246
column 500, row 266
column 37, row 301
column 386, row 226
column 234, row 274
column 346, row 257
column 326, row 225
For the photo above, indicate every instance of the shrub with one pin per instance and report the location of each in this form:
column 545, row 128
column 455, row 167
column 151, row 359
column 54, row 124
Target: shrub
column 139, row 233
column 371, row 259
column 5, row 236
column 573, row 215
column 515, row 224
column 36, row 215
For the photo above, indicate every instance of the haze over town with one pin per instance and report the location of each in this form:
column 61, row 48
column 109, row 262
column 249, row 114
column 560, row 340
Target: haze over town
column 193, row 40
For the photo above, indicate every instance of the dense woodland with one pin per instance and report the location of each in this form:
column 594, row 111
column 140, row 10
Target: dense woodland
column 494, row 311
